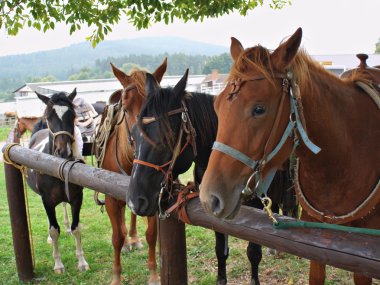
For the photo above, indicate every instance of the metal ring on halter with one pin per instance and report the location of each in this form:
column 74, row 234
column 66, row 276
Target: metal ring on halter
column 162, row 215
column 247, row 191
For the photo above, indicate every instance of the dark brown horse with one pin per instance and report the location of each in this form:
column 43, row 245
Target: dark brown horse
column 263, row 114
column 24, row 124
column 118, row 157
column 59, row 139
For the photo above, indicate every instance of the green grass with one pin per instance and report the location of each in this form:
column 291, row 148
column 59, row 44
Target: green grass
column 96, row 239
column 4, row 131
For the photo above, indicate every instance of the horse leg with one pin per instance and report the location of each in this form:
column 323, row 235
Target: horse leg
column 66, row 221
column 49, row 240
column 222, row 251
column 126, row 245
column 254, row 254
column 54, row 231
column 361, row 280
column 135, row 242
column 115, row 212
column 75, row 229
column 317, row 274
column 151, row 238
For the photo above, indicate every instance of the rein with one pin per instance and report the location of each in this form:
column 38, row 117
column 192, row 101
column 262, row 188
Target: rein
column 186, row 127
column 293, row 129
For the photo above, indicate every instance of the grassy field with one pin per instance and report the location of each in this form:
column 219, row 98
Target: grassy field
column 96, row 239
column 4, row 131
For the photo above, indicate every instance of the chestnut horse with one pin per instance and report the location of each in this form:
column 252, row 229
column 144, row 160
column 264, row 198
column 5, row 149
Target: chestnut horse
column 118, row 157
column 263, row 114
column 24, row 124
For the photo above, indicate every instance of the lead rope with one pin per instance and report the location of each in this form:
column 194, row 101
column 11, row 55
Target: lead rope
column 23, row 170
column 316, row 225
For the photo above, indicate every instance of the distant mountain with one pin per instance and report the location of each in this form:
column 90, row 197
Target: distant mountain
column 62, row 62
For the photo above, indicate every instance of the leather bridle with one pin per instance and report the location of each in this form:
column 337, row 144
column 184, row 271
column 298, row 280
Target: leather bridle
column 56, row 134
column 294, row 129
column 186, row 127
column 63, row 176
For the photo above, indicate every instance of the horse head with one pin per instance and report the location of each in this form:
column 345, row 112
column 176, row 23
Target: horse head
column 133, row 93
column 60, row 117
column 20, row 128
column 162, row 151
column 253, row 112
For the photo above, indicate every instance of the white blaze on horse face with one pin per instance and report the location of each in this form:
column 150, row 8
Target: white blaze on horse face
column 60, row 110
column 137, row 157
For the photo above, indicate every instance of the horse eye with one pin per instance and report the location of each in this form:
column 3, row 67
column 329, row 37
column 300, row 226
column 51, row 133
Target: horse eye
column 258, row 110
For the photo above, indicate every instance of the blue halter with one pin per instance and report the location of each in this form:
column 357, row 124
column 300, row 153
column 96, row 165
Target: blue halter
column 262, row 185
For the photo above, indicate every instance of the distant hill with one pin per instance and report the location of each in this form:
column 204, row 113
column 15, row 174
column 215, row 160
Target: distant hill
column 62, row 62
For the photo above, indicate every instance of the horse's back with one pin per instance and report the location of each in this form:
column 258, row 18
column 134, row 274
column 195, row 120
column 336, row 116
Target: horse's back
column 39, row 140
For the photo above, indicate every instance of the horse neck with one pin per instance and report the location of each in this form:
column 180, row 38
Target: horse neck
column 124, row 149
column 336, row 118
column 29, row 124
column 205, row 125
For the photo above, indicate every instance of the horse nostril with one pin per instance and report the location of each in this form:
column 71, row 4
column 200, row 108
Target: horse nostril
column 217, row 205
column 142, row 205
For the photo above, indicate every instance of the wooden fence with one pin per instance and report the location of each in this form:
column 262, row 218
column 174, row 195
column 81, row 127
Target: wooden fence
column 354, row 252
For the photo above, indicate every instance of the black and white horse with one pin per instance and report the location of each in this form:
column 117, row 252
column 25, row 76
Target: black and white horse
column 59, row 139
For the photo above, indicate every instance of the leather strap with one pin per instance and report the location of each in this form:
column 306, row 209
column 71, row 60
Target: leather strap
column 362, row 210
column 186, row 194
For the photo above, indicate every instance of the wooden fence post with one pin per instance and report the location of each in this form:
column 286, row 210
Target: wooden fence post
column 173, row 257
column 19, row 222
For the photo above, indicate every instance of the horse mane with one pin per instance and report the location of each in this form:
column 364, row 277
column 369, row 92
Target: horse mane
column 200, row 108
column 139, row 78
column 303, row 67
column 203, row 117
column 39, row 125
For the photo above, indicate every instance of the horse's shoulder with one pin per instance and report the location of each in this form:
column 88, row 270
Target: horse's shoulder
column 39, row 139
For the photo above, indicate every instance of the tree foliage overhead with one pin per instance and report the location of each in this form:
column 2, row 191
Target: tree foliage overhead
column 103, row 14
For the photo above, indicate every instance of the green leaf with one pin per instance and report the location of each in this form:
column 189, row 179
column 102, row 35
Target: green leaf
column 72, row 29
column 37, row 25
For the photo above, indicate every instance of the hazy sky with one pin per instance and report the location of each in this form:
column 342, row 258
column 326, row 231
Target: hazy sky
column 329, row 27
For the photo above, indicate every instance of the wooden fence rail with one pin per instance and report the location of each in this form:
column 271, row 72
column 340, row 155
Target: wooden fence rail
column 354, row 252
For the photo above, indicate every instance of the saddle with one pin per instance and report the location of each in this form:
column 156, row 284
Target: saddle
column 86, row 116
column 106, row 126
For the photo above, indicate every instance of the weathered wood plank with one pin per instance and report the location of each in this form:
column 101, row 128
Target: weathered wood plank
column 107, row 182
column 353, row 252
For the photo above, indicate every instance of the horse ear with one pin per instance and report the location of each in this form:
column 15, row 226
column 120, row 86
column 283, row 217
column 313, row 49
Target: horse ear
column 72, row 95
column 159, row 72
column 121, row 76
column 43, row 98
column 151, row 85
column 283, row 56
column 236, row 48
column 179, row 88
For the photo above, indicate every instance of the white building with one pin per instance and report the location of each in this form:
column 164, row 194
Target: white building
column 27, row 103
